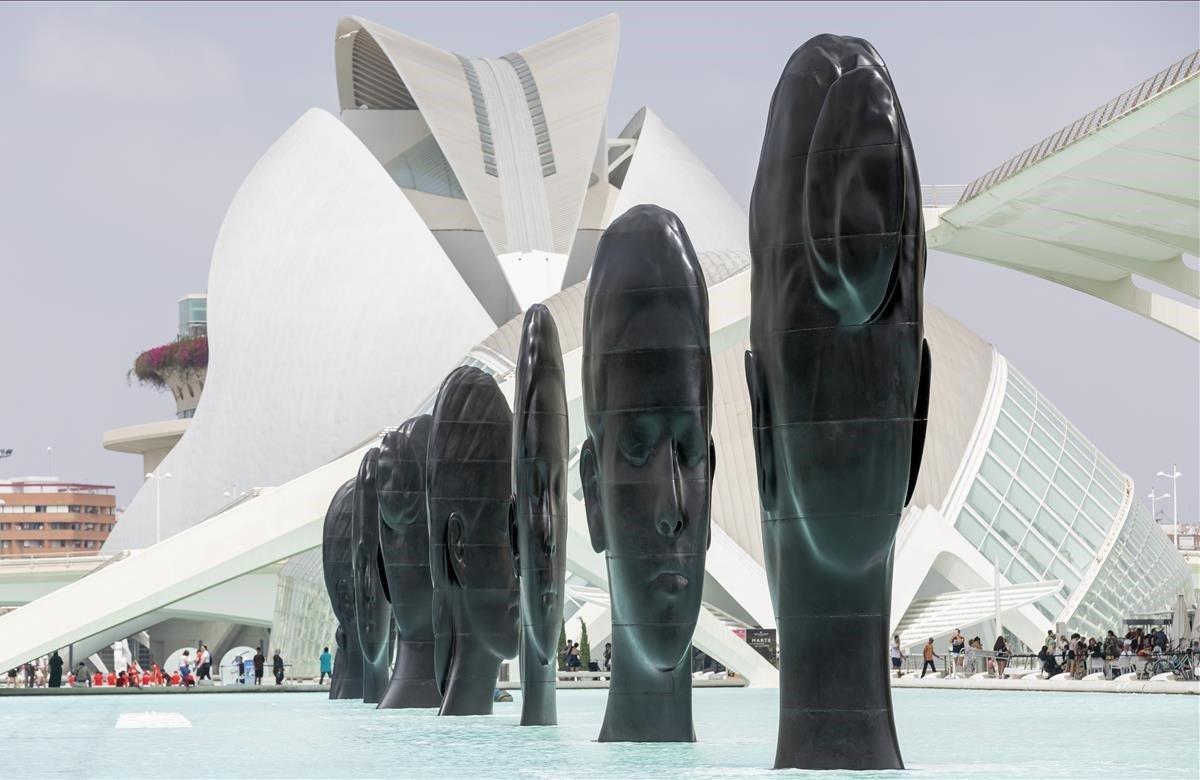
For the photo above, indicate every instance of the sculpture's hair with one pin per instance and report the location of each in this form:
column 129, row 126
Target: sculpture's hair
column 836, row 234
column 402, row 471
column 644, row 258
column 540, row 380
column 336, row 546
column 470, row 435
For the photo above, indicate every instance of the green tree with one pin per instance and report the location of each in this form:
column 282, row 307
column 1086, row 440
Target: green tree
column 585, row 649
column 562, row 647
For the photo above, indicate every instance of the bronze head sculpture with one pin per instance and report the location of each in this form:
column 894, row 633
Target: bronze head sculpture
column 476, row 597
column 838, row 378
column 647, row 465
column 370, row 583
column 540, row 448
column 346, row 681
column 404, row 542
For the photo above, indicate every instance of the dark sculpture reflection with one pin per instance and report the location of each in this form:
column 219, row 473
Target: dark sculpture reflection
column 476, row 598
column 370, row 583
column 404, row 541
column 540, row 448
column 838, row 381
column 346, row 682
column 648, row 463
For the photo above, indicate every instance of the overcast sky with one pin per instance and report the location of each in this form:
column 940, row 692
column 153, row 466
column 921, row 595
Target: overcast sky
column 126, row 130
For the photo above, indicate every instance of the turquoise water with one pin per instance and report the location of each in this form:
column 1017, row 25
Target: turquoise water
column 943, row 734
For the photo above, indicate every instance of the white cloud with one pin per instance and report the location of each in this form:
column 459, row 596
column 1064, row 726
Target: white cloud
column 107, row 56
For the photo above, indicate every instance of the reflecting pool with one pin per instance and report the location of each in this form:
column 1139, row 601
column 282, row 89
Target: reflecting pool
column 944, row 734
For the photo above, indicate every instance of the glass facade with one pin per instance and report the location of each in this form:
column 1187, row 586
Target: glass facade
column 303, row 624
column 1044, row 499
column 1143, row 573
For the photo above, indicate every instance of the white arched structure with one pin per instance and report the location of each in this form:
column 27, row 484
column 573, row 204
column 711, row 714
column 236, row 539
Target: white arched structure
column 332, row 312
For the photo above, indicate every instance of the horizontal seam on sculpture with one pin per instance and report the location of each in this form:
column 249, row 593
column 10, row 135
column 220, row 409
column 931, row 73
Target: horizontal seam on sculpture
column 863, row 325
column 802, row 155
column 835, row 238
column 908, row 418
column 834, row 709
column 654, row 556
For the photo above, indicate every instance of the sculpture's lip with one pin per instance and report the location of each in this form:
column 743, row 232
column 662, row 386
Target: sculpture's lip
column 670, row 582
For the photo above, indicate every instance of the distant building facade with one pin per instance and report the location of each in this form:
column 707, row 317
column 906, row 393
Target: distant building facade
column 44, row 516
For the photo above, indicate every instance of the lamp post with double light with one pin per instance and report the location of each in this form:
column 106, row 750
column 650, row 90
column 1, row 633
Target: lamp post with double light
column 1174, row 477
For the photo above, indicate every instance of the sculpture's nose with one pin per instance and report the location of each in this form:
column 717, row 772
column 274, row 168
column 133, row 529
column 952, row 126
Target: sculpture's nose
column 670, row 517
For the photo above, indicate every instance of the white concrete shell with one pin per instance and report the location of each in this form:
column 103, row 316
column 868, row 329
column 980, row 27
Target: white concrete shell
column 332, row 312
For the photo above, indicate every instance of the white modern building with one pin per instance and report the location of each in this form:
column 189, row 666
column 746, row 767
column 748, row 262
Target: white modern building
column 366, row 255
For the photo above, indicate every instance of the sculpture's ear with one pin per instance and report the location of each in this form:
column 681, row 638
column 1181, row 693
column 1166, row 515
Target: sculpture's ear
column 512, row 537
column 589, row 476
column 712, row 473
column 760, row 422
column 456, row 548
column 920, row 421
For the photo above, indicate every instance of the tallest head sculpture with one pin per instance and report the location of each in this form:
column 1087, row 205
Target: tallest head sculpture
column 838, row 378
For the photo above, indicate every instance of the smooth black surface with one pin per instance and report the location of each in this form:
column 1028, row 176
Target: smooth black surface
column 541, row 445
column 648, row 463
column 476, row 597
column 346, row 682
column 404, row 540
column 370, row 582
column 839, row 387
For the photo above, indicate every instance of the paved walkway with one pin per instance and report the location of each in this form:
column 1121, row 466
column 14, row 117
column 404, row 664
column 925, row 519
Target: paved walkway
column 1032, row 682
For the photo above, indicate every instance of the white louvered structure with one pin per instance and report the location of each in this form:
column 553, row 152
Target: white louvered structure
column 1112, row 197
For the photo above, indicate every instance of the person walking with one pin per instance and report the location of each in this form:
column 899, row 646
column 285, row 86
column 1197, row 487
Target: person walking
column 56, row 665
column 608, row 656
column 897, row 655
column 326, row 666
column 81, row 676
column 260, row 661
column 277, row 668
column 204, row 659
column 958, row 644
column 928, row 654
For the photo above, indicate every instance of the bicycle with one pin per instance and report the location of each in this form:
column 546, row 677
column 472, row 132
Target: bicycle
column 1179, row 664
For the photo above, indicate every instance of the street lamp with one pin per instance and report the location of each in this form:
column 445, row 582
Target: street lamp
column 157, row 503
column 1153, row 499
column 1174, row 477
column 50, row 460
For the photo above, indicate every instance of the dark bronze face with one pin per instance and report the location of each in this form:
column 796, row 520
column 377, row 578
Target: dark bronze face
column 648, row 463
column 540, row 448
column 838, row 380
column 404, row 526
column 476, row 594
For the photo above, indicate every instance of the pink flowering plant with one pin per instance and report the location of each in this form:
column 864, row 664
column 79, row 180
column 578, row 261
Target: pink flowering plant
column 184, row 355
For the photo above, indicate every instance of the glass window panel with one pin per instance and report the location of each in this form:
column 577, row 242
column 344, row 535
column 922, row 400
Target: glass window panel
column 969, row 527
column 1021, row 500
column 1040, row 458
column 1049, row 527
column 1060, row 571
column 1006, row 452
column 994, row 551
column 1101, row 518
column 983, row 501
column 1009, row 526
column 1074, row 551
column 1032, row 478
column 1011, row 429
column 1087, row 531
column 1034, row 552
column 1071, row 489
column 994, row 474
column 1082, row 475
column 1022, row 416
column 1019, row 573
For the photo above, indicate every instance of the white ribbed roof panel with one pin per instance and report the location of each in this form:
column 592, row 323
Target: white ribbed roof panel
column 1113, row 196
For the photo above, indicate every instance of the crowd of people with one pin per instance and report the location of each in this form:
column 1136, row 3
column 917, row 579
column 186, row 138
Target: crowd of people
column 1074, row 655
column 47, row 672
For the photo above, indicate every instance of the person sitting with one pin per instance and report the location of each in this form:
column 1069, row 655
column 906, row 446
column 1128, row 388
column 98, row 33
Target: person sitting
column 175, row 678
column 122, row 679
column 1049, row 665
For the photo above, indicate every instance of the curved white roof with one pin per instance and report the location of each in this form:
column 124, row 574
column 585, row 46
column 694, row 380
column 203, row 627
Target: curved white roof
column 332, row 311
